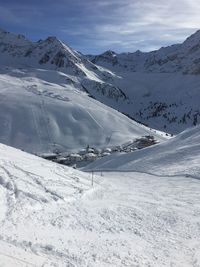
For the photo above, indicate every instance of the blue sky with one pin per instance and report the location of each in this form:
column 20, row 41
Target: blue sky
column 93, row 26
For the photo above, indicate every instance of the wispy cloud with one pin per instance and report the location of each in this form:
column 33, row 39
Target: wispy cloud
column 140, row 24
column 94, row 26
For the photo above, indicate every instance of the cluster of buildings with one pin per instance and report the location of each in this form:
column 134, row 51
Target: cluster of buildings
column 89, row 154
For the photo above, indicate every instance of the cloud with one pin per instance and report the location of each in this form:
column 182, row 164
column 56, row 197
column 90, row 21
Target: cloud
column 94, row 25
column 139, row 24
column 7, row 15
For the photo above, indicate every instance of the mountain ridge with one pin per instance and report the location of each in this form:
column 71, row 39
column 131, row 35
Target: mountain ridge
column 162, row 86
column 48, row 93
column 165, row 60
column 139, row 85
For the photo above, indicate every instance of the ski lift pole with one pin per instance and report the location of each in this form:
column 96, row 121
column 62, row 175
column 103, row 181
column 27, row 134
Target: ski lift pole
column 92, row 178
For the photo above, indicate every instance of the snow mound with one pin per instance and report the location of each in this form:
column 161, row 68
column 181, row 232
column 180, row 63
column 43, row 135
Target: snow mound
column 178, row 156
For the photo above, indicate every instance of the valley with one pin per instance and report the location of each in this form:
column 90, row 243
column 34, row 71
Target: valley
column 99, row 155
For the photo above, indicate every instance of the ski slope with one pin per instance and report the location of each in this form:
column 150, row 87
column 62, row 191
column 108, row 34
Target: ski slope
column 41, row 112
column 45, row 105
column 137, row 209
column 50, row 215
column 177, row 156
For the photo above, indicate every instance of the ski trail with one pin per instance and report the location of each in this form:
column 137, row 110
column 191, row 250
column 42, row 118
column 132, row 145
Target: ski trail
column 17, row 259
column 22, row 258
column 36, row 126
column 98, row 124
column 143, row 172
column 47, row 122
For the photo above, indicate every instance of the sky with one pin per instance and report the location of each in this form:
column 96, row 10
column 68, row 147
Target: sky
column 94, row 26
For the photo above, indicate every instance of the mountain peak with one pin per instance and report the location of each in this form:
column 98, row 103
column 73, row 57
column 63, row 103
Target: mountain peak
column 109, row 53
column 53, row 39
column 13, row 39
column 194, row 38
column 54, row 42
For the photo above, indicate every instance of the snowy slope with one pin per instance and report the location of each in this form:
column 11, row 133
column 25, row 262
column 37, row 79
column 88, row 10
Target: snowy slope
column 45, row 103
column 161, row 87
column 30, row 189
column 41, row 110
column 146, row 214
column 52, row 54
column 177, row 156
column 51, row 216
column 162, row 98
column 165, row 101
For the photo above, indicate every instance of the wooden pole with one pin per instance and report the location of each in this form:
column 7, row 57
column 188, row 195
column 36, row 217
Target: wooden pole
column 92, row 178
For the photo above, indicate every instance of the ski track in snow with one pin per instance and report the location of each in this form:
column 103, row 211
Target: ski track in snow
column 129, row 219
column 95, row 121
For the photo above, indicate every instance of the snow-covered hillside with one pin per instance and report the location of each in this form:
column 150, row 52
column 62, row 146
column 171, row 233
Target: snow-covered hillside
column 182, row 58
column 55, row 81
column 45, row 103
column 178, row 156
column 41, row 111
column 32, row 191
column 161, row 87
column 51, row 54
column 52, row 216
column 165, row 101
column 136, row 209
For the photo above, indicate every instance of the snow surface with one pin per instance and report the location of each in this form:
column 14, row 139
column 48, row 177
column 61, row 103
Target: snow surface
column 41, row 111
column 138, row 209
column 161, row 87
column 50, row 215
column 177, row 156
column 178, row 94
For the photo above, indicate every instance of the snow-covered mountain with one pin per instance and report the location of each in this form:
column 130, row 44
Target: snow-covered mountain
column 162, row 87
column 51, row 215
column 39, row 113
column 45, row 105
column 145, row 214
column 35, row 74
column 18, row 52
column 182, row 58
